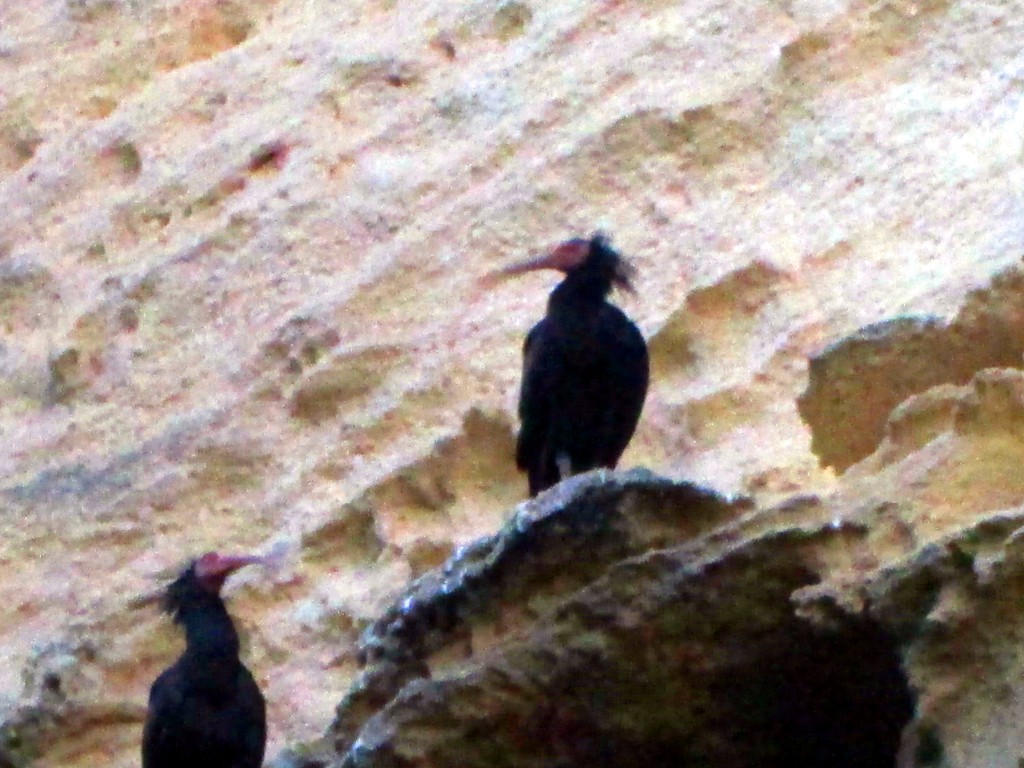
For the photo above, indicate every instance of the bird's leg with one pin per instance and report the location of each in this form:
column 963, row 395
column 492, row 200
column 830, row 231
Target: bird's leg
column 564, row 464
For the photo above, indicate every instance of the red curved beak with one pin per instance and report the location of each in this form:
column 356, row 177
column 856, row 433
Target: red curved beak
column 564, row 258
column 495, row 276
column 213, row 568
column 228, row 564
column 547, row 261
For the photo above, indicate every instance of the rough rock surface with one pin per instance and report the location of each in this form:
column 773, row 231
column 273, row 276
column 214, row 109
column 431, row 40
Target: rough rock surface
column 239, row 309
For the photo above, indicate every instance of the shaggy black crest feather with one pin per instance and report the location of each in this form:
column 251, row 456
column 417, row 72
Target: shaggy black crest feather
column 183, row 591
column 613, row 266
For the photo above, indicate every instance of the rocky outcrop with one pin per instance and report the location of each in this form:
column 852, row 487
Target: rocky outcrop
column 544, row 552
column 690, row 654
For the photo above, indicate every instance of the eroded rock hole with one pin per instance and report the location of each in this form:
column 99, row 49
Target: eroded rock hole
column 799, row 697
column 840, row 698
column 268, row 157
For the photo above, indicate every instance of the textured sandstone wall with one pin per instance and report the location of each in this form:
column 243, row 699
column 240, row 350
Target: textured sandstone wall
column 238, row 301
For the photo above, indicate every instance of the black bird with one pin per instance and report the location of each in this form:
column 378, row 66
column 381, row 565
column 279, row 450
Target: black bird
column 205, row 710
column 585, row 367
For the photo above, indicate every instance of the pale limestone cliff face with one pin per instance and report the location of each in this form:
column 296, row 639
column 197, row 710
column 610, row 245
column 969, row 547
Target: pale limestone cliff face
column 238, row 290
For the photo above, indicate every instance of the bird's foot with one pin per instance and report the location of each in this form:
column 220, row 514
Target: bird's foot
column 564, row 464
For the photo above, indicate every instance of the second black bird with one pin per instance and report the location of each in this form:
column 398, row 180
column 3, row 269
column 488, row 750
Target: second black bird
column 205, row 710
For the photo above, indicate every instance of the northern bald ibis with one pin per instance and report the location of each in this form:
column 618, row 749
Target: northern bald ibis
column 205, row 710
column 585, row 367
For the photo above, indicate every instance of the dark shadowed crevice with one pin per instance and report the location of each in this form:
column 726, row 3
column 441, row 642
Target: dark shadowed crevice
column 842, row 699
column 803, row 698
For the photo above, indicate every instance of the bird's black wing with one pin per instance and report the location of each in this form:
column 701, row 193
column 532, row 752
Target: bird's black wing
column 534, row 404
column 158, row 737
column 628, row 377
column 185, row 728
column 252, row 727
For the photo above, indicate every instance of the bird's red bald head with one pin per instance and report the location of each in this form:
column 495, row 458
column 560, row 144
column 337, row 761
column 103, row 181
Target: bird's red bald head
column 213, row 568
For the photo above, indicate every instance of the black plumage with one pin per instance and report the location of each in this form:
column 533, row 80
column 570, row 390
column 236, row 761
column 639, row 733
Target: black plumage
column 585, row 368
column 205, row 710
